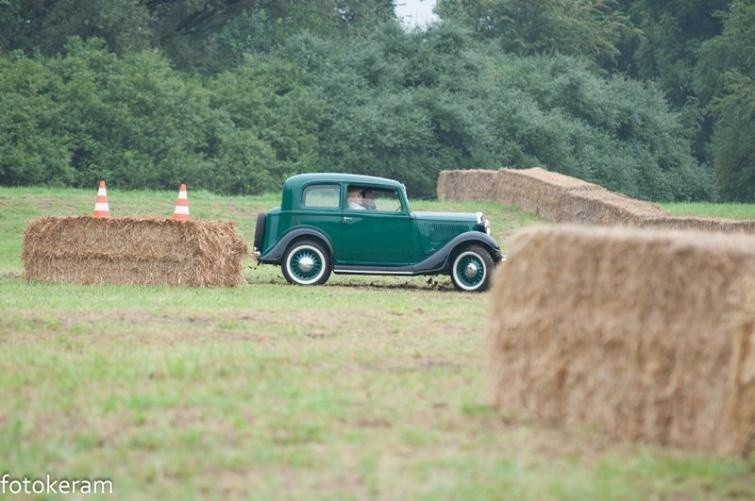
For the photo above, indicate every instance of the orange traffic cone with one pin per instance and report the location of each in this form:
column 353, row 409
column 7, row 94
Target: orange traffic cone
column 182, row 205
column 101, row 207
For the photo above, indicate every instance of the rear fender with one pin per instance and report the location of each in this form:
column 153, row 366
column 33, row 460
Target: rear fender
column 275, row 254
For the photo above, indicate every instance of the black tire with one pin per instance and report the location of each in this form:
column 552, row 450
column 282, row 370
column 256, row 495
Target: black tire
column 471, row 268
column 259, row 231
column 306, row 262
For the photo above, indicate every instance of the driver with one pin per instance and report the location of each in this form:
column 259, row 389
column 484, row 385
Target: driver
column 368, row 199
column 355, row 199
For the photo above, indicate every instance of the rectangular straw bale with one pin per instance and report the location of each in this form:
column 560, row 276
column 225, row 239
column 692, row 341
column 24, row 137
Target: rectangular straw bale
column 538, row 190
column 700, row 223
column 88, row 250
column 648, row 334
column 548, row 177
column 472, row 184
column 606, row 207
column 565, row 199
column 562, row 198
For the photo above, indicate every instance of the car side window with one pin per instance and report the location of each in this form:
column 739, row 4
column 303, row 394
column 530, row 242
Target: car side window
column 322, row 196
column 373, row 199
column 385, row 200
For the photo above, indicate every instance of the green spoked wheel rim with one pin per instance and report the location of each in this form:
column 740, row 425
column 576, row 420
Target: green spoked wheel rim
column 469, row 270
column 305, row 264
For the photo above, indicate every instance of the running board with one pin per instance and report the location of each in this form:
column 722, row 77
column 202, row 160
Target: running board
column 365, row 270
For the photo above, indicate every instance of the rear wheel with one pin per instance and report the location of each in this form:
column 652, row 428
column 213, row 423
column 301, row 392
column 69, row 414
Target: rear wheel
column 471, row 268
column 306, row 262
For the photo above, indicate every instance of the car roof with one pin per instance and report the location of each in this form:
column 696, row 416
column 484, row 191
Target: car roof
column 336, row 177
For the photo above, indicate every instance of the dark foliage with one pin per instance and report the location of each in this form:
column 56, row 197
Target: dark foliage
column 234, row 95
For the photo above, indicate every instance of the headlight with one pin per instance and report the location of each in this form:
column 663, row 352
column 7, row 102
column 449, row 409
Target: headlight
column 483, row 221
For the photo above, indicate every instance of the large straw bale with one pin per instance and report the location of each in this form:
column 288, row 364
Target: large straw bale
column 648, row 334
column 540, row 191
column 564, row 199
column 606, row 207
column 700, row 223
column 90, row 250
column 552, row 178
column 472, row 184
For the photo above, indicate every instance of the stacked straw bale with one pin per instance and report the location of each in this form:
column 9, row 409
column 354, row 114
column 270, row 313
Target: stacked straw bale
column 88, row 250
column 650, row 335
column 606, row 207
column 539, row 191
column 700, row 223
column 473, row 184
column 566, row 199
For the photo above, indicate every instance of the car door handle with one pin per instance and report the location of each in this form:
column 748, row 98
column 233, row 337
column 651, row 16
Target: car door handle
column 348, row 220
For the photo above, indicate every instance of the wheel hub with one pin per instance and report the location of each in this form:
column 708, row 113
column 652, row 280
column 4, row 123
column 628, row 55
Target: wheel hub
column 306, row 263
column 470, row 271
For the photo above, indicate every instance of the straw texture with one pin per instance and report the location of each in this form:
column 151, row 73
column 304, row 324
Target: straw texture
column 473, row 184
column 89, row 250
column 561, row 198
column 649, row 335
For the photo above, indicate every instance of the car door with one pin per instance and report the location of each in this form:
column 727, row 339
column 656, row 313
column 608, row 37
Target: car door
column 320, row 208
column 380, row 233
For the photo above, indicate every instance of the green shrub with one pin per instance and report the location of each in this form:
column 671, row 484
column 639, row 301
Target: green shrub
column 390, row 103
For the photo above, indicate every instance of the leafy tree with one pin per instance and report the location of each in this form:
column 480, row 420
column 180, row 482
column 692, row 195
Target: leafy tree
column 731, row 50
column 732, row 144
column 438, row 99
column 44, row 26
column 132, row 119
column 266, row 97
column 591, row 28
column 666, row 49
column 669, row 38
column 192, row 33
column 34, row 148
column 306, row 86
column 726, row 73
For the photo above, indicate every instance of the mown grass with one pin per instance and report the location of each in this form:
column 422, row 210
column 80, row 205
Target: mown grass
column 707, row 209
column 363, row 388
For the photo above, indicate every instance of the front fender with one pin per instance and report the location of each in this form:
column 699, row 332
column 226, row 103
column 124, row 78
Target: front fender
column 439, row 260
column 275, row 254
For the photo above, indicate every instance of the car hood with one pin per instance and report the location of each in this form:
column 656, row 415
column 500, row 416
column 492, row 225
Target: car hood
column 438, row 228
column 471, row 217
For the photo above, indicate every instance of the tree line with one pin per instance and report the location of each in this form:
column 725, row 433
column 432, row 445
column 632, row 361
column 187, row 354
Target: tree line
column 653, row 99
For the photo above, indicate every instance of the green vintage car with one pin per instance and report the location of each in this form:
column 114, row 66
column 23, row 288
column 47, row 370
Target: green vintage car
column 353, row 224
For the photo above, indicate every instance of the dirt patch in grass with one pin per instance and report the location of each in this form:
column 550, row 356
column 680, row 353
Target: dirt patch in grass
column 440, row 283
column 163, row 328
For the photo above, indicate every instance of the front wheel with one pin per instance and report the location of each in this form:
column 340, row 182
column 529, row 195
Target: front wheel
column 306, row 263
column 471, row 269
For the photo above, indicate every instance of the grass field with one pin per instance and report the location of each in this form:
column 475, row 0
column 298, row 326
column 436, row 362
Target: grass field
column 707, row 209
column 363, row 388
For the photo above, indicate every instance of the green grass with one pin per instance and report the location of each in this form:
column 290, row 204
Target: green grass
column 707, row 209
column 363, row 388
